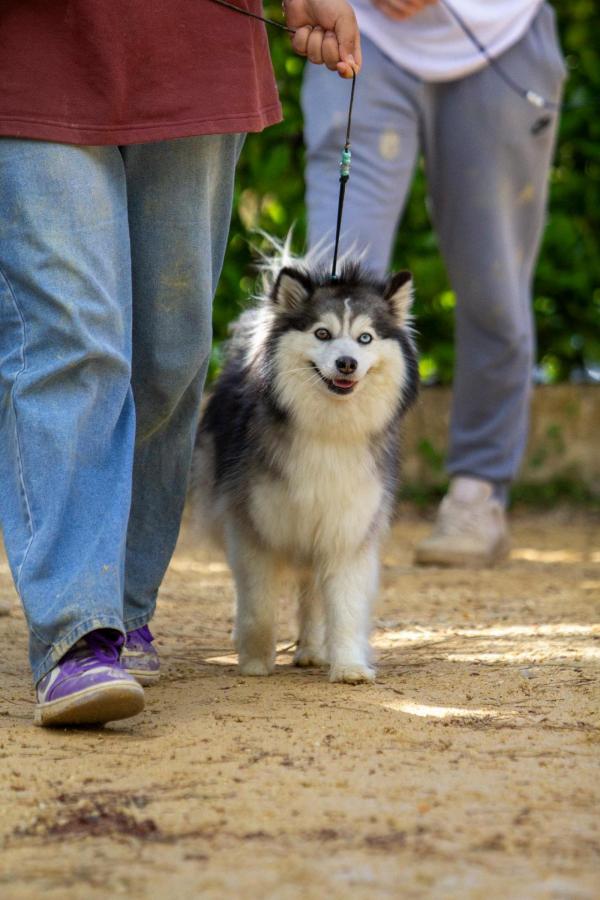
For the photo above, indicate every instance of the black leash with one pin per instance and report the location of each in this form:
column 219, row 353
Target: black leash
column 530, row 96
column 346, row 152
column 246, row 12
column 344, row 177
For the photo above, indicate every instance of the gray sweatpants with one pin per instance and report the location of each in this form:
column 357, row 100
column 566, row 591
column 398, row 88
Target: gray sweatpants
column 487, row 176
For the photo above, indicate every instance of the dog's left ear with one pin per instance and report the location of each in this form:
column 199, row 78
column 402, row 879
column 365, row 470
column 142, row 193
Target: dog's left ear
column 399, row 294
column 292, row 289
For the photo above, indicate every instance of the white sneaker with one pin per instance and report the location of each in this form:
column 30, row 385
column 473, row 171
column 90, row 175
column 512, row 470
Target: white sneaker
column 471, row 528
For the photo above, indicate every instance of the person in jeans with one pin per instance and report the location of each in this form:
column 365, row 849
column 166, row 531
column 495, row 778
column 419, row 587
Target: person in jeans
column 120, row 128
column 425, row 88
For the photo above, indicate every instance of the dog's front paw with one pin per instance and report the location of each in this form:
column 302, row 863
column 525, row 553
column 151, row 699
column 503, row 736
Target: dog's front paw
column 306, row 657
column 352, row 674
column 255, row 667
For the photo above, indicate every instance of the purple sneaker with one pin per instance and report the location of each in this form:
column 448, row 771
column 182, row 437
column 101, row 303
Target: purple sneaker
column 139, row 657
column 89, row 686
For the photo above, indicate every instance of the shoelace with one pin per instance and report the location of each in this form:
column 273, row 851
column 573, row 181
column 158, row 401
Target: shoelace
column 99, row 647
column 144, row 633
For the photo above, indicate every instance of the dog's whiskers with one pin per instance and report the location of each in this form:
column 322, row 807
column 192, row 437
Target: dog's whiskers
column 299, row 369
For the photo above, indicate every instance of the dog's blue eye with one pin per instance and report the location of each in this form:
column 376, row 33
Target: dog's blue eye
column 365, row 338
column 322, row 334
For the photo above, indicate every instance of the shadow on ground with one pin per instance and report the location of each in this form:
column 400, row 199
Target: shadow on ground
column 468, row 770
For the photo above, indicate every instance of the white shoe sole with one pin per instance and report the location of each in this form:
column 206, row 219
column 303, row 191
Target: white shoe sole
column 438, row 556
column 142, row 676
column 95, row 705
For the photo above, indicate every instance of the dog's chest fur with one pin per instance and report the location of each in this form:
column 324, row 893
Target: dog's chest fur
column 328, row 498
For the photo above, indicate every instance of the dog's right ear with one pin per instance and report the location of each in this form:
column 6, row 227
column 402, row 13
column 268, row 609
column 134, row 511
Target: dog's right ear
column 399, row 294
column 291, row 290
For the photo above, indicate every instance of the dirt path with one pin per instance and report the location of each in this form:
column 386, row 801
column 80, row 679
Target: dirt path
column 469, row 770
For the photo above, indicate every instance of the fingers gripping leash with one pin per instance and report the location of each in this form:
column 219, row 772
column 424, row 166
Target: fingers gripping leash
column 346, row 152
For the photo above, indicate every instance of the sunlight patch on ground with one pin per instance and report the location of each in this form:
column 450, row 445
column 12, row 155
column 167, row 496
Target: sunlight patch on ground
column 395, row 637
column 549, row 556
column 539, row 652
column 446, row 712
column 230, row 659
column 204, row 567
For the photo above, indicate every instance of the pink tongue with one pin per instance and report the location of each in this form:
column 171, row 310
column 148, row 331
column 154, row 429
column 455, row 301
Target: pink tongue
column 340, row 382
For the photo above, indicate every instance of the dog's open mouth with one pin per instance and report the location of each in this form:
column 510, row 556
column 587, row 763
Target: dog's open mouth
column 337, row 385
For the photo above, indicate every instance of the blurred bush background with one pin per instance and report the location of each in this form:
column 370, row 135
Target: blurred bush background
column 270, row 196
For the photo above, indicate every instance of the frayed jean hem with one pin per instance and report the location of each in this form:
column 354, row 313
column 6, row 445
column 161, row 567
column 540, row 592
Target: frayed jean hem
column 140, row 621
column 58, row 650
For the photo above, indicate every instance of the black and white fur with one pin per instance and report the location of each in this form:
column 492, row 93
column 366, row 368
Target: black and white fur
column 297, row 459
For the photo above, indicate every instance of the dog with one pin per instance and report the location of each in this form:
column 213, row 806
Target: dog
column 296, row 463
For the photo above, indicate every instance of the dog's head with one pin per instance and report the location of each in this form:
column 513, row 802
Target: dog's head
column 341, row 351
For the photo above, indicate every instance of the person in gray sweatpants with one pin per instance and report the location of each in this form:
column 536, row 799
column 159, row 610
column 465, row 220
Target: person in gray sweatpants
column 487, row 158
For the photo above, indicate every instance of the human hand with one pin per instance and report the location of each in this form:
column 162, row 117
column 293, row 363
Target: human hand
column 401, row 9
column 326, row 32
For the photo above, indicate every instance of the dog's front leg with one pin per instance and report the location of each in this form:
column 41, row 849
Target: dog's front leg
column 312, row 649
column 257, row 581
column 349, row 592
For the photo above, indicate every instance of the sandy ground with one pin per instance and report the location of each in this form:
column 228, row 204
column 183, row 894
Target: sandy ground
column 469, row 770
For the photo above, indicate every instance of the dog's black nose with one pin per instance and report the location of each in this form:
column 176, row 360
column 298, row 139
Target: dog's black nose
column 346, row 365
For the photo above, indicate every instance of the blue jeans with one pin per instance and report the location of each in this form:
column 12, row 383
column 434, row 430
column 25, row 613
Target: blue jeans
column 109, row 259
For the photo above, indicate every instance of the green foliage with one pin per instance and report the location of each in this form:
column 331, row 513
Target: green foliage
column 430, row 455
column 567, row 289
column 270, row 192
column 553, row 445
column 548, row 494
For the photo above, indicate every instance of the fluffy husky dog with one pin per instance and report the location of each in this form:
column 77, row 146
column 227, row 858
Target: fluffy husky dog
column 297, row 458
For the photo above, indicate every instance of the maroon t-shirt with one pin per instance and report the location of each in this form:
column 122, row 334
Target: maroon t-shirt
column 129, row 71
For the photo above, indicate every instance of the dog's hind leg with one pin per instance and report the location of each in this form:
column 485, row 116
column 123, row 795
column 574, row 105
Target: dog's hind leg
column 311, row 620
column 258, row 583
column 349, row 590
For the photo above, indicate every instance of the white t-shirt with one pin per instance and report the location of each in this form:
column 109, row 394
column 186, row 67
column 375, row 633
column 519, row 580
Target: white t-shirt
column 432, row 45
